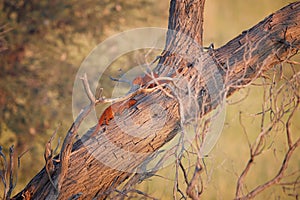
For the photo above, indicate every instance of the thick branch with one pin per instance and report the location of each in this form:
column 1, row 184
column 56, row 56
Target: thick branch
column 186, row 17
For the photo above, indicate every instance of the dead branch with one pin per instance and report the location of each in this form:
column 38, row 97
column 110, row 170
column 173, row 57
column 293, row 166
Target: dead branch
column 48, row 156
column 195, row 187
column 277, row 178
column 7, row 173
column 257, row 148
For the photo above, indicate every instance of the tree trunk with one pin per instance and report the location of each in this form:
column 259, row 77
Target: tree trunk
column 87, row 175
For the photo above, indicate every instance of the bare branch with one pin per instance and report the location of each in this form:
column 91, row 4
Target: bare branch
column 289, row 91
column 21, row 155
column 195, row 187
column 277, row 178
column 11, row 182
column 87, row 89
column 48, row 156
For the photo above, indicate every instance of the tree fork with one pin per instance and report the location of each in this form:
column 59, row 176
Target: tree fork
column 240, row 61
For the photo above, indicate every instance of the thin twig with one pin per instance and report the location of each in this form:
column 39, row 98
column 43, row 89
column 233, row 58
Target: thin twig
column 21, row 155
column 87, row 89
column 48, row 156
column 12, row 185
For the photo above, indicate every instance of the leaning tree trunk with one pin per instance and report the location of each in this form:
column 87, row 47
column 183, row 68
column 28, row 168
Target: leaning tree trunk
column 79, row 174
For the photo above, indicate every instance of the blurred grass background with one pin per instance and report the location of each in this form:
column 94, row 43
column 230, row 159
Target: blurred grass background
column 45, row 44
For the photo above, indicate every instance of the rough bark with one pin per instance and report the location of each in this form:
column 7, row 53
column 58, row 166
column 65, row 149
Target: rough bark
column 239, row 62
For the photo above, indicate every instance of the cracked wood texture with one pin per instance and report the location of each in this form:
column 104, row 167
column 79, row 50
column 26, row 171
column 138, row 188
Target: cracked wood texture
column 240, row 61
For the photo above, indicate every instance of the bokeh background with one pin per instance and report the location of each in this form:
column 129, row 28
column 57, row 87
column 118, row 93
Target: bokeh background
column 43, row 43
